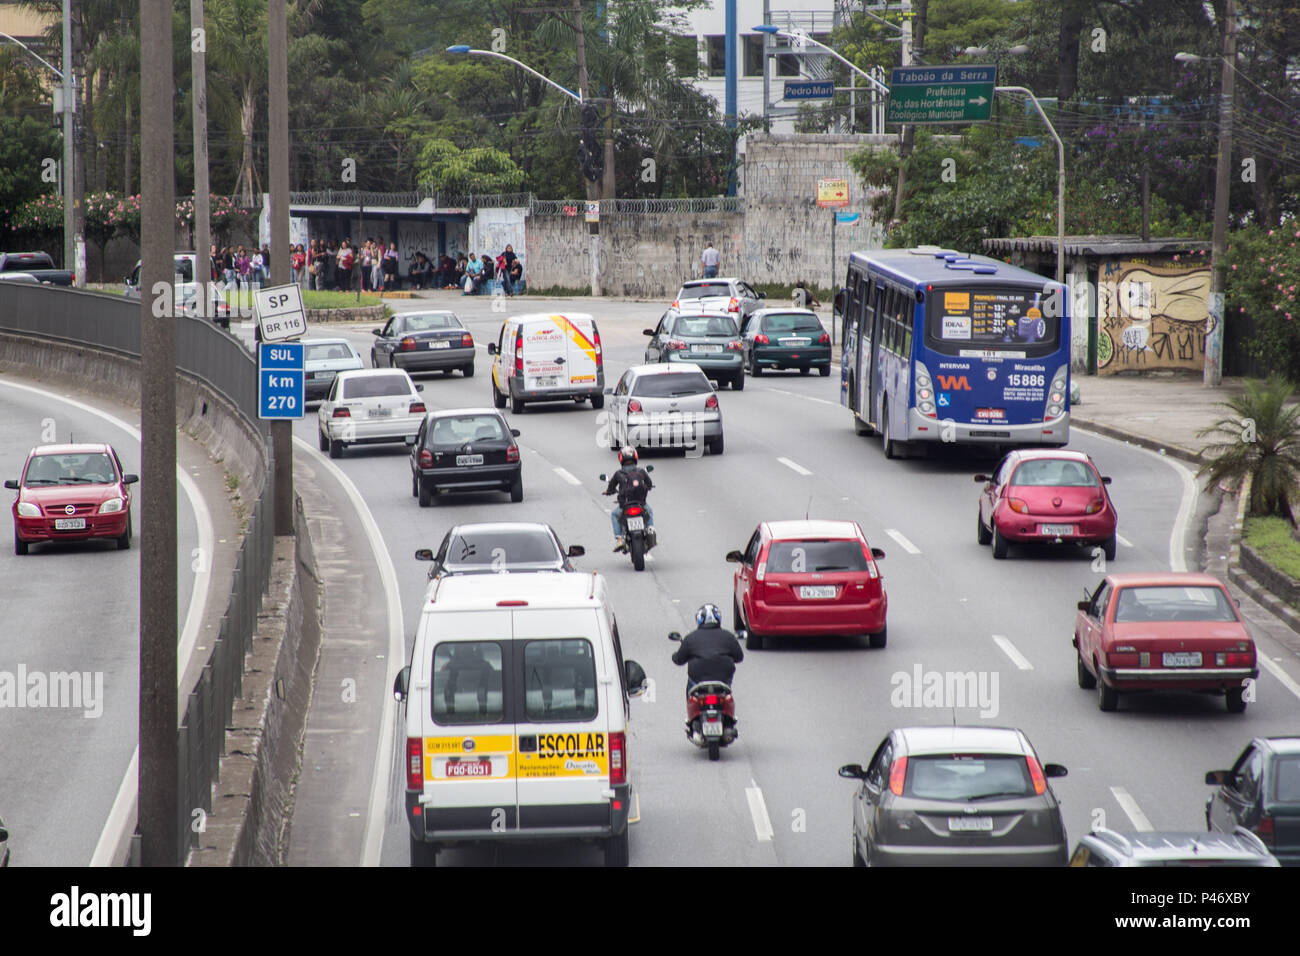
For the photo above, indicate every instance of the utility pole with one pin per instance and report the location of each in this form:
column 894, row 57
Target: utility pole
column 79, row 159
column 202, row 211
column 158, row 818
column 908, row 55
column 593, row 188
column 277, row 42
column 69, row 105
column 1213, row 377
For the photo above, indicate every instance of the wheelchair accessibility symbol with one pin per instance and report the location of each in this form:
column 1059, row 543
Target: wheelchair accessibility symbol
column 943, row 400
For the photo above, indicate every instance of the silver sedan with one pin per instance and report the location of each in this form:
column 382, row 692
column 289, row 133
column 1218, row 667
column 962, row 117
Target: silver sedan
column 665, row 406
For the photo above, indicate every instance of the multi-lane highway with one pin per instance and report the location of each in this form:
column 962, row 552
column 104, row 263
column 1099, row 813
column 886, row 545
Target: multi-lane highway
column 808, row 706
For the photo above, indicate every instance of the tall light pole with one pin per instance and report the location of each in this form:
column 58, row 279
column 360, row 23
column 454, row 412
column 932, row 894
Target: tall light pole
column 1060, row 176
column 277, row 43
column 202, row 217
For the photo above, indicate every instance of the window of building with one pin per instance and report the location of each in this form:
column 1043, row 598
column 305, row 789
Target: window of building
column 754, row 54
column 787, row 64
column 717, row 55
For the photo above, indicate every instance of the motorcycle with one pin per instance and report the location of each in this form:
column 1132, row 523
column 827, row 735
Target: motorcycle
column 711, row 713
column 639, row 538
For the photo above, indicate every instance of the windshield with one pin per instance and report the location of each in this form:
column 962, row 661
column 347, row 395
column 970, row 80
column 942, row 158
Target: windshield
column 704, row 290
column 427, row 321
column 671, row 385
column 1055, row 473
column 458, row 429
column 781, row 324
column 796, row 557
column 95, row 468
column 1173, row 604
column 329, row 351
column 986, row 319
column 501, row 548
column 706, row 325
column 968, row 777
column 376, row 386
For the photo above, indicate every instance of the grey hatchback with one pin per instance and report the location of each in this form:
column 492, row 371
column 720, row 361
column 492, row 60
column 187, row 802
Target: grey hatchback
column 707, row 339
column 1104, row 847
column 956, row 796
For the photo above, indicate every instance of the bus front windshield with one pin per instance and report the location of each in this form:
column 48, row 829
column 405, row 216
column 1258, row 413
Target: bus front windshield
column 973, row 321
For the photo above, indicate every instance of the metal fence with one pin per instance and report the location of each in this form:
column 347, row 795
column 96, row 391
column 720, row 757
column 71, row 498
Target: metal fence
column 638, row 207
column 535, row 206
column 112, row 324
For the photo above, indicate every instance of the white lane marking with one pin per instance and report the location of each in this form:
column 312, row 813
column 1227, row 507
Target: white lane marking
column 794, row 466
column 806, row 398
column 1010, row 650
column 567, row 476
column 1129, row 806
column 1177, row 549
column 123, row 811
column 1280, row 674
column 1123, row 540
column 902, row 541
column 758, row 810
column 372, row 842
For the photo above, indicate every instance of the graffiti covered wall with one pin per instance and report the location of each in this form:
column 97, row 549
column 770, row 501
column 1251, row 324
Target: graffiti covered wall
column 1151, row 315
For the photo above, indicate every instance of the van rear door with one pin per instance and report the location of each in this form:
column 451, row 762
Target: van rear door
column 583, row 354
column 545, row 354
column 564, row 741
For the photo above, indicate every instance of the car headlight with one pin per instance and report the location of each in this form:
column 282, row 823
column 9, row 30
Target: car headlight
column 111, row 506
column 28, row 509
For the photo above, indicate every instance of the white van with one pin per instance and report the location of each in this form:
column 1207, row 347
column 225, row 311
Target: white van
column 516, row 714
column 547, row 358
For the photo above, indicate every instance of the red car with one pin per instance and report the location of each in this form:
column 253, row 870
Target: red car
column 1165, row 631
column 1047, row 496
column 808, row 577
column 71, row 493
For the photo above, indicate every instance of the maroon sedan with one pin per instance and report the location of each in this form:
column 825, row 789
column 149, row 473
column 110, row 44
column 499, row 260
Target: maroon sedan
column 1046, row 496
column 808, row 577
column 1163, row 631
column 72, row 493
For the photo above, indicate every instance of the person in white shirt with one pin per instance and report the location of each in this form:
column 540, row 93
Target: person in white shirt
column 709, row 260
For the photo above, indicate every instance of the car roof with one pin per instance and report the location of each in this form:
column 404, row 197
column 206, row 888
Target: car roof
column 1282, row 745
column 538, row 316
column 688, row 311
column 315, row 341
column 1165, row 579
column 1028, row 454
column 1180, row 844
column 921, row 741
column 537, row 527
column 777, row 310
column 371, row 372
column 81, row 448
column 813, row 528
column 675, row 368
column 449, row 412
column 693, row 282
column 539, row 589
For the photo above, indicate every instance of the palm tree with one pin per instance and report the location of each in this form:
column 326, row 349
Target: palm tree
column 237, row 53
column 1261, row 440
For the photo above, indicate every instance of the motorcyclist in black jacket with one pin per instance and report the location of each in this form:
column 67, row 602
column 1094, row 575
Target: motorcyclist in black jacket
column 710, row 652
column 632, row 484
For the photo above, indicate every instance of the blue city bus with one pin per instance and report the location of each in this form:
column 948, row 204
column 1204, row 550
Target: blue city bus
column 943, row 347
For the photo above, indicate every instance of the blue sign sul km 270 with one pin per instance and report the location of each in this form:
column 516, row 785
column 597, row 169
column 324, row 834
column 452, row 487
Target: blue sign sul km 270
column 280, row 386
column 803, row 90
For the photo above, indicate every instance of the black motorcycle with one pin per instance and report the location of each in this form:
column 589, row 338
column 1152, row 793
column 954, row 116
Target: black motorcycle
column 640, row 539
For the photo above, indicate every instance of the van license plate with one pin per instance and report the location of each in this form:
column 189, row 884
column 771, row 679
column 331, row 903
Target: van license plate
column 69, row 524
column 817, row 591
column 469, row 768
column 713, row 728
column 463, row 460
column 636, row 524
column 547, row 381
column 1056, row 529
column 1182, row 659
column 963, row 824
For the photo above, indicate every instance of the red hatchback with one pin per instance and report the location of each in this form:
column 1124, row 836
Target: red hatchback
column 808, row 577
column 1163, row 631
column 71, row 493
column 1046, row 496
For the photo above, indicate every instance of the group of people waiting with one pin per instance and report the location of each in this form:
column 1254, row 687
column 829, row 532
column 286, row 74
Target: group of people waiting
column 241, row 268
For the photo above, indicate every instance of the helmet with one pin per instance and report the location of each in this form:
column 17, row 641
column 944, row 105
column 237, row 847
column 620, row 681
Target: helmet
column 708, row 616
column 627, row 455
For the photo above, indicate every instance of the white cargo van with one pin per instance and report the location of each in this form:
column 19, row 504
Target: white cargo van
column 547, row 358
column 516, row 714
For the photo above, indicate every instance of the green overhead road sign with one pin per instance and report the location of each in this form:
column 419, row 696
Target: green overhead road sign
column 941, row 94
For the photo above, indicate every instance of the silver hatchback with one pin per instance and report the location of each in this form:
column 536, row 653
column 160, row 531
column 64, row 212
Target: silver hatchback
column 956, row 796
column 665, row 406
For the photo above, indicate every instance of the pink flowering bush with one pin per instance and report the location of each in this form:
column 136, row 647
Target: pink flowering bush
column 1263, row 272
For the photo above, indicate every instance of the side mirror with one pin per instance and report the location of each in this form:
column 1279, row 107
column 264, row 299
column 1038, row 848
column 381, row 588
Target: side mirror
column 742, row 635
column 410, row 441
column 877, row 553
column 1084, row 605
column 492, row 348
column 603, row 478
column 1054, row 770
column 649, row 467
column 634, row 676
column 674, row 636
column 515, row 432
column 575, row 551
column 647, row 331
column 609, row 389
column 130, row 479
column 853, row 771
column 735, row 557
column 419, row 388
column 983, row 479
column 11, row 483
column 1105, row 479
column 376, row 331
column 401, row 683
column 424, row 554
column 1217, row 778
column 762, row 295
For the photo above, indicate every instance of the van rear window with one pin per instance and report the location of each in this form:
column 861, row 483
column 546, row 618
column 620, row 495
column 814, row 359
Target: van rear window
column 467, row 685
column 559, row 680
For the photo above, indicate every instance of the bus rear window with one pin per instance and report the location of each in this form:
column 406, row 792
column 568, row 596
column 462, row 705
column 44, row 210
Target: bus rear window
column 990, row 319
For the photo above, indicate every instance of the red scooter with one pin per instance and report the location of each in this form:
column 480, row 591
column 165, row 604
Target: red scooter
column 710, row 713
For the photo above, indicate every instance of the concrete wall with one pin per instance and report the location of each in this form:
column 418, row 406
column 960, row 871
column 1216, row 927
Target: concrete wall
column 492, row 229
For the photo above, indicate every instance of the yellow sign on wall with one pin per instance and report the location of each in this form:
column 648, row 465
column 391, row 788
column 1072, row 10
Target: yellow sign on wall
column 832, row 193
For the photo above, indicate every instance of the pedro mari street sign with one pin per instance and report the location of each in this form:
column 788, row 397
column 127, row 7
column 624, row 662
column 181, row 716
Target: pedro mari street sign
column 940, row 94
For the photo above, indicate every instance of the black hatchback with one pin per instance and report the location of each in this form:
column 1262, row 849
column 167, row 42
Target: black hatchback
column 1262, row 794
column 465, row 449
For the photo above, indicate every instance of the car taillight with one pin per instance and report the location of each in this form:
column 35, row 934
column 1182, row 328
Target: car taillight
column 467, row 341
column 1018, row 505
column 674, row 345
column 596, row 339
column 633, row 510
column 761, row 571
column 1123, row 659
column 711, row 402
column 342, row 413
column 426, row 458
column 761, row 339
column 414, row 763
column 871, row 563
column 733, row 305
column 1264, row 830
column 897, row 774
column 1094, row 506
column 512, row 453
column 407, row 344
column 1036, row 775
column 634, row 406
column 711, row 700
column 417, row 408
column 1234, row 659
column 735, row 345
column 617, row 758
column 519, row 352
column 676, row 303
column 824, row 340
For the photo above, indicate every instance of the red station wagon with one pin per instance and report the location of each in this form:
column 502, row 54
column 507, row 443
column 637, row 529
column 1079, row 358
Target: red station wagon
column 1166, row 631
column 808, row 577
column 72, row 493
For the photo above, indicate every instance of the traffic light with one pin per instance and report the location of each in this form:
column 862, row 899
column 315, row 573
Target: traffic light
column 590, row 150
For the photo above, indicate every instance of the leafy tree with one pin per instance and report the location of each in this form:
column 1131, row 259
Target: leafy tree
column 1260, row 439
column 444, row 167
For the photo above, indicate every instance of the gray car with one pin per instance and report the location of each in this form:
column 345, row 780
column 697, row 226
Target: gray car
column 956, row 796
column 497, row 547
column 424, row 342
column 1261, row 792
column 725, row 294
column 322, row 360
column 1104, row 847
column 665, row 406
column 710, row 340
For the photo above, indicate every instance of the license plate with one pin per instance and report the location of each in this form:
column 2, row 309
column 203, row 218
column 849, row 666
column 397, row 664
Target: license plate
column 1182, row 659
column 992, row 414
column 547, row 381
column 469, row 768
column 1056, row 529
column 636, row 524
column 381, row 413
column 966, row 824
column 713, row 728
column 793, row 343
column 322, row 374
column 463, row 460
column 708, row 349
column 817, row 591
column 69, row 524
column 445, row 344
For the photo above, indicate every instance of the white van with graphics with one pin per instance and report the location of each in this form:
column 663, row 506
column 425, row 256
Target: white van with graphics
column 516, row 715
column 547, row 358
